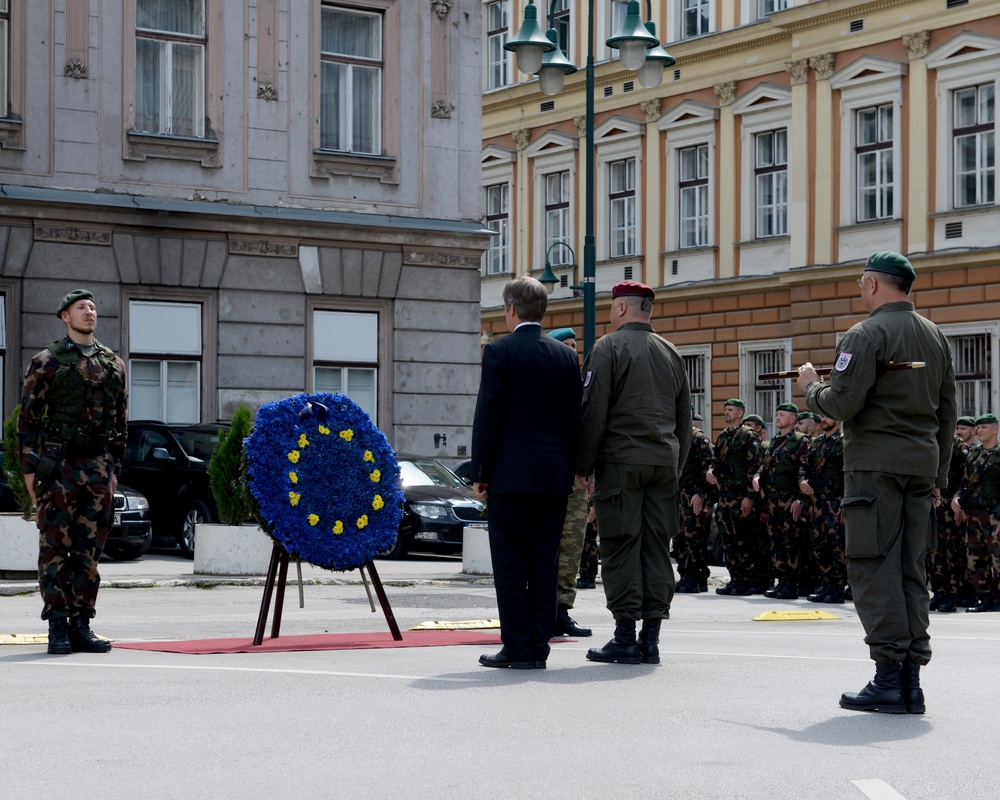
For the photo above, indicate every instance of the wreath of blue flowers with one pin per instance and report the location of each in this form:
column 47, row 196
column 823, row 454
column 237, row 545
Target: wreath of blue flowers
column 325, row 479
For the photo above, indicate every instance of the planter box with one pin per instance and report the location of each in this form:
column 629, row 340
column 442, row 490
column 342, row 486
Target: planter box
column 476, row 558
column 18, row 544
column 231, row 550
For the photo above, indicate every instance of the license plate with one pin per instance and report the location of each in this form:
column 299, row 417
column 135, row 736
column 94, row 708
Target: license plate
column 118, row 519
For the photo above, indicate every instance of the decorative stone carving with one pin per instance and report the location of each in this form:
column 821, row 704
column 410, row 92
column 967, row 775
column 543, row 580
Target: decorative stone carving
column 581, row 125
column 726, row 92
column 441, row 259
column 799, row 70
column 651, row 108
column 442, row 109
column 51, row 233
column 267, row 91
column 917, row 44
column 263, row 247
column 75, row 69
column 441, row 7
column 522, row 136
column 822, row 65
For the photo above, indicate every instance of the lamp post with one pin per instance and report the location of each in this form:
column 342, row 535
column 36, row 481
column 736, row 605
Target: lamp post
column 548, row 277
column 640, row 50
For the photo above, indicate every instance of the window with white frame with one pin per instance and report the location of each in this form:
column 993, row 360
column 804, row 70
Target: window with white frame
column 345, row 356
column 4, row 57
column 874, row 160
column 608, row 24
column 698, row 366
column 767, row 7
column 165, row 353
column 498, row 219
column 170, row 46
column 557, row 221
column 771, row 182
column 974, row 352
column 693, row 191
column 621, row 202
column 696, row 18
column 497, row 33
column 973, row 130
column 757, row 358
column 351, row 65
column 561, row 22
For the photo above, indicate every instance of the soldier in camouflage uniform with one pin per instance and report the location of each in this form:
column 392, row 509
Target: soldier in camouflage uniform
column 691, row 547
column 777, row 481
column 979, row 501
column 73, row 413
column 591, row 556
column 821, row 481
column 948, row 563
column 735, row 460
column 571, row 543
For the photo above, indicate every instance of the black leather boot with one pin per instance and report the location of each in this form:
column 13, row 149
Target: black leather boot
column 82, row 639
column 623, row 649
column 834, row 596
column 566, row 625
column 884, row 692
column 59, row 637
column 913, row 695
column 785, row 590
column 686, row 585
column 948, row 604
column 649, row 640
column 817, row 596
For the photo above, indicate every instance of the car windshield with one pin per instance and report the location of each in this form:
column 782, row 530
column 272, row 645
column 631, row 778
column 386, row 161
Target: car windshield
column 424, row 472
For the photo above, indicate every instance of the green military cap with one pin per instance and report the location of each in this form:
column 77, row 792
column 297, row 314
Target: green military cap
column 891, row 263
column 735, row 401
column 562, row 334
column 968, row 422
column 72, row 297
column 810, row 415
column 987, row 419
column 754, row 418
column 788, row 407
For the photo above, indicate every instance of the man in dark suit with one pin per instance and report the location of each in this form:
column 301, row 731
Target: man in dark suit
column 524, row 443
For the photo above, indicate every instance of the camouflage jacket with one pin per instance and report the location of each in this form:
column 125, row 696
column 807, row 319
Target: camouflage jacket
column 780, row 462
column 959, row 456
column 981, row 482
column 824, row 465
column 737, row 454
column 699, row 458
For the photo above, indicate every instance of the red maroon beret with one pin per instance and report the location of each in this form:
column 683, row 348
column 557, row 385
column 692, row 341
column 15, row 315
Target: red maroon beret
column 632, row 289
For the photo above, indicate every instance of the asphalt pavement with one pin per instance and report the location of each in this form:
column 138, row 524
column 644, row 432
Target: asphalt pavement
column 737, row 709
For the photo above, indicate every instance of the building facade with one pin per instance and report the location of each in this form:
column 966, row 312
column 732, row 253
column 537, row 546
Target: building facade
column 265, row 196
column 790, row 141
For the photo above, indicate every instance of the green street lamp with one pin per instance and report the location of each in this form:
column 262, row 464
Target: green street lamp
column 639, row 50
column 548, row 277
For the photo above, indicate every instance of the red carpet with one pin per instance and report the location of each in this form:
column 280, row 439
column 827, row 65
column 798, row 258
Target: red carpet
column 322, row 641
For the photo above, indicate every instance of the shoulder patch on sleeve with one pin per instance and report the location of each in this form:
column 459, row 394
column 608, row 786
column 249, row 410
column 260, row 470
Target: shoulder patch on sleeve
column 586, row 381
column 843, row 360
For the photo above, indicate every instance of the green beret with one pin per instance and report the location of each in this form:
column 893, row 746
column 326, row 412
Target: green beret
column 968, row 422
column 987, row 419
column 562, row 334
column 72, row 297
column 810, row 415
column 788, row 407
column 891, row 264
column 754, row 418
column 735, row 401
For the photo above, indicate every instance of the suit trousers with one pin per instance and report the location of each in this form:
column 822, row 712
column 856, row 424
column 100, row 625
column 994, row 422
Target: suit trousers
column 525, row 530
column 888, row 520
column 637, row 512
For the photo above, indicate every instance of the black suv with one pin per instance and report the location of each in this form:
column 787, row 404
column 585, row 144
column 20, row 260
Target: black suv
column 173, row 480
column 130, row 534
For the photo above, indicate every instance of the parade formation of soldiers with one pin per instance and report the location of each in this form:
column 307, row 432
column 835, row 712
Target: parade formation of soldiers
column 777, row 507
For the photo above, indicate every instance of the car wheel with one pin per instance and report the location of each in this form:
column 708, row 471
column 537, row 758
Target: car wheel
column 130, row 551
column 398, row 550
column 197, row 512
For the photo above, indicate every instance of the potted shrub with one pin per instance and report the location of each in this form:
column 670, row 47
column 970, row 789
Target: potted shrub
column 232, row 547
column 18, row 531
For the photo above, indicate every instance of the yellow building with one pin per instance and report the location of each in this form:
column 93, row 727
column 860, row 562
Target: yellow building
column 789, row 142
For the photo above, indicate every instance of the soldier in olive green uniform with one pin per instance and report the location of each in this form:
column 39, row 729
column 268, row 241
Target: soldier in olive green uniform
column 71, row 434
column 948, row 563
column 979, row 501
column 898, row 429
column 777, row 480
column 821, row 482
column 735, row 462
column 691, row 545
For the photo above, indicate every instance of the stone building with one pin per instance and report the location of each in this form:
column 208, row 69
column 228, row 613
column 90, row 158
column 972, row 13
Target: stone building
column 265, row 196
column 790, row 141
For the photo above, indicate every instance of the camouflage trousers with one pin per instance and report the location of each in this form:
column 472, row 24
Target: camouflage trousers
column 826, row 535
column 691, row 544
column 785, row 536
column 948, row 563
column 984, row 553
column 737, row 535
column 571, row 546
column 74, row 516
column 591, row 553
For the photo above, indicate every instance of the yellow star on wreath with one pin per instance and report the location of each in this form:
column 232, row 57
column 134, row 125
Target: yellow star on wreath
column 369, row 456
column 338, row 527
column 347, row 435
column 303, row 441
column 362, row 521
column 293, row 477
column 294, row 456
column 377, row 503
column 324, row 430
column 313, row 519
column 294, row 497
column 376, row 476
